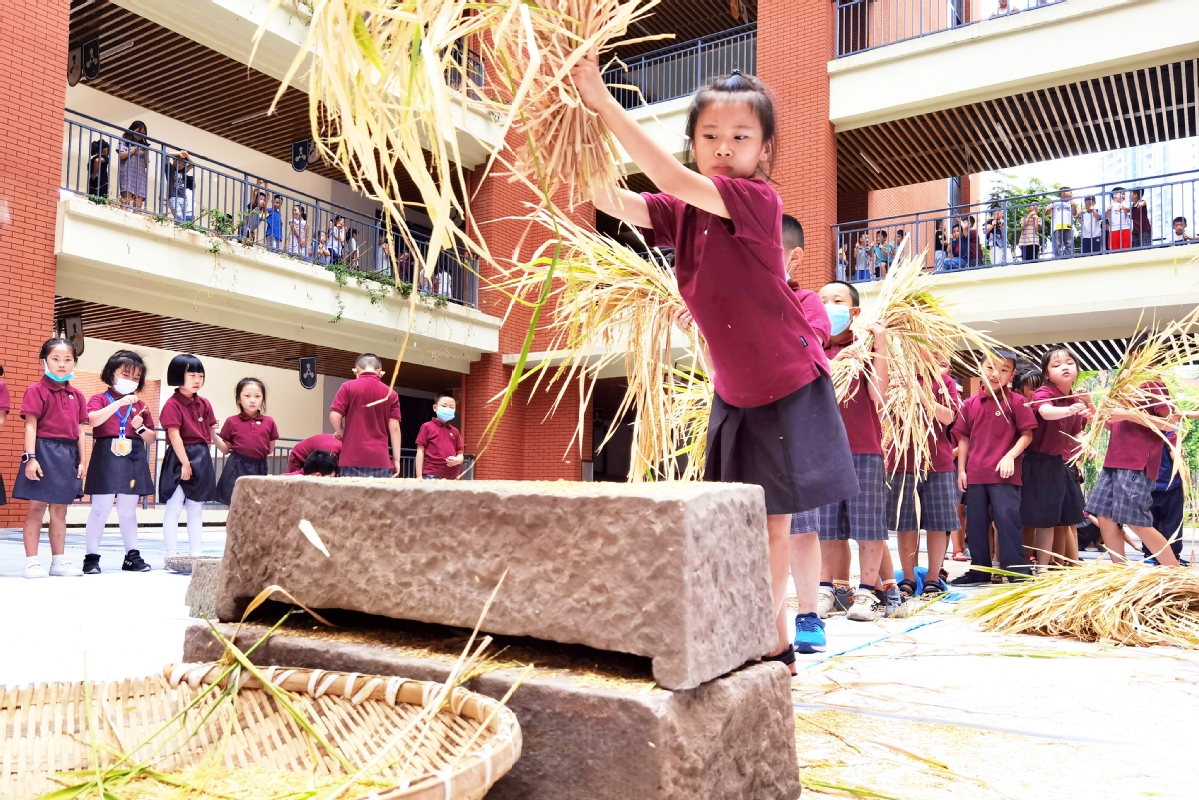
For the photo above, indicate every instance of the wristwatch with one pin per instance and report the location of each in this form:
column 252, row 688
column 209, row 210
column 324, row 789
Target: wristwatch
column 25, row 457
column 141, row 430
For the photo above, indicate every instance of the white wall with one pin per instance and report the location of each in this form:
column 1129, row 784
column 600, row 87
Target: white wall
column 297, row 411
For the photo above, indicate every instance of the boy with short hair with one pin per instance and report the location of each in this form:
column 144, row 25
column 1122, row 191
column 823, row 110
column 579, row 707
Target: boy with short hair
column 439, row 448
column 1119, row 222
column 993, row 428
column 1091, row 227
column 1179, row 235
column 861, row 518
column 1064, row 212
column 370, row 412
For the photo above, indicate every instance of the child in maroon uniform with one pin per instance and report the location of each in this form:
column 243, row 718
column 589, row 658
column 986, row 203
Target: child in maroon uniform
column 118, row 472
column 51, row 471
column 993, row 428
column 247, row 438
column 299, row 454
column 370, row 412
column 439, row 444
column 187, row 479
column 5, row 407
column 774, row 420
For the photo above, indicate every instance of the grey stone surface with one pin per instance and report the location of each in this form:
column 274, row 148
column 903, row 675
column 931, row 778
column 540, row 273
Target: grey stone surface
column 675, row 572
column 732, row 738
column 202, row 589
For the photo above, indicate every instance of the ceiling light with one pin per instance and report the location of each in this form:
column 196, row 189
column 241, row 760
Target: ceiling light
column 870, row 163
column 112, row 50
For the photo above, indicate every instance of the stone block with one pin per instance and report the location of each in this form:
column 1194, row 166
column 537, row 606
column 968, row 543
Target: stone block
column 678, row 573
column 202, row 588
column 587, row 737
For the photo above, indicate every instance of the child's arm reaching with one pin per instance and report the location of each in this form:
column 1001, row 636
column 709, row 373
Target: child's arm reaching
column 659, row 166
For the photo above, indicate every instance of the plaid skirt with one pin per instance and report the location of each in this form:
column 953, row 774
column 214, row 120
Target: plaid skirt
column 365, row 472
column 1051, row 495
column 1124, row 496
column 805, row 521
column 938, row 496
column 862, row 518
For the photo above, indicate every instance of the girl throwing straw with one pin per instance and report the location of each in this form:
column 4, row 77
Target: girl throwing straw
column 774, row 420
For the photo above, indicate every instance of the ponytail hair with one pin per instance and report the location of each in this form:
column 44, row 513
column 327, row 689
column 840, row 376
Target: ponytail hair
column 739, row 88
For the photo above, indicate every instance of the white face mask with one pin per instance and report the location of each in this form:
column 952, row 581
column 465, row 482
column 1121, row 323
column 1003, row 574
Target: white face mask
column 124, row 386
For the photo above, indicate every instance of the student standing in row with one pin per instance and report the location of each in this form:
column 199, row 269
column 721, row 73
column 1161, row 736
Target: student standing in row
column 51, row 471
column 247, row 438
column 439, row 447
column 1090, row 227
column 187, row 479
column 365, row 416
column 1119, row 222
column 119, row 469
column 5, row 407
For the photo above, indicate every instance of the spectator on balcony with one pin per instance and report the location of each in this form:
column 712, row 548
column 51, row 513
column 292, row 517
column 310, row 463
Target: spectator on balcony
column 883, row 253
column 320, row 250
column 1030, row 234
column 337, row 240
column 1142, row 225
column 1091, row 224
column 956, row 250
column 1004, row 8
column 297, row 234
column 1119, row 222
column 1063, row 214
column 176, row 171
column 351, row 248
column 97, row 170
column 995, row 232
column 1179, row 233
column 383, row 253
column 939, row 245
column 274, row 224
column 135, row 165
column 901, row 242
column 256, row 220
column 862, row 258
column 842, row 264
column 970, row 243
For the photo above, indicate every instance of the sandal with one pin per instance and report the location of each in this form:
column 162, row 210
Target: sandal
column 787, row 658
column 942, row 574
column 907, row 588
column 958, row 555
column 934, row 589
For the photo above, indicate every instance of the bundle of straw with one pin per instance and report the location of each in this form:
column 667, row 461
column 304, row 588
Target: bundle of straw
column 1125, row 603
column 613, row 303
column 917, row 323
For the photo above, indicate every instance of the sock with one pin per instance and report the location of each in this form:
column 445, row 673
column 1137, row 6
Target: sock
column 865, row 587
column 887, row 584
column 826, row 583
column 31, row 560
column 841, row 585
column 59, row 559
column 808, row 614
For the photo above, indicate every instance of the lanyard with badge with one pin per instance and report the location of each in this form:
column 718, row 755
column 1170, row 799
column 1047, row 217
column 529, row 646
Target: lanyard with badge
column 121, row 446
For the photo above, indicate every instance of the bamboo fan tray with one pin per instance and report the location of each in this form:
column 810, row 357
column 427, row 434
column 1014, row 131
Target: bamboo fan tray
column 184, row 564
column 248, row 745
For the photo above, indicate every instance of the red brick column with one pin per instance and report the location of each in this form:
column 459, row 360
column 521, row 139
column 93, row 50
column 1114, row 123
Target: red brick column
column 33, row 84
column 795, row 44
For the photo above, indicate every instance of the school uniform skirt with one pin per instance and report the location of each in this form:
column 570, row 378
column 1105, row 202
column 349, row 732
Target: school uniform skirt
column 202, row 486
column 1124, row 496
column 59, row 460
column 235, row 467
column 108, row 473
column 3, row 493
column 794, row 448
column 1051, row 494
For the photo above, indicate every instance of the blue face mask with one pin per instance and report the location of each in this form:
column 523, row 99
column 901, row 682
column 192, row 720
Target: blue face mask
column 55, row 378
column 839, row 316
column 445, row 414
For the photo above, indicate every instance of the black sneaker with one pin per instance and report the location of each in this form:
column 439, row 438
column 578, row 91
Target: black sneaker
column 91, row 564
column 972, row 578
column 134, row 563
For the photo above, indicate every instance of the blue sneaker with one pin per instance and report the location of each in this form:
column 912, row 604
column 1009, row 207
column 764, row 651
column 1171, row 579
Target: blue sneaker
column 809, row 634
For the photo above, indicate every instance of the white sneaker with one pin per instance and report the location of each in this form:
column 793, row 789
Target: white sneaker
column 65, row 569
column 865, row 607
column 824, row 602
column 35, row 570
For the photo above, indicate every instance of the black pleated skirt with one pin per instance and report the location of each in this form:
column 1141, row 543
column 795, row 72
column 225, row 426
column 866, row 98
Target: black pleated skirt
column 1051, row 495
column 794, row 448
column 202, row 486
column 108, row 473
column 235, row 467
column 59, row 460
column 3, row 493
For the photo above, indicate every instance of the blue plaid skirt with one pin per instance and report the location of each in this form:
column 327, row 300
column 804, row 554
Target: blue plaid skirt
column 861, row 518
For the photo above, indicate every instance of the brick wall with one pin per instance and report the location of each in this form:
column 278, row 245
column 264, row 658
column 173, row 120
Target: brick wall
column 33, row 83
column 795, row 44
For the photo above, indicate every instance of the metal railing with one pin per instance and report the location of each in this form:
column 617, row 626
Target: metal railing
column 147, row 176
column 866, row 24
column 1093, row 220
column 276, row 463
column 680, row 69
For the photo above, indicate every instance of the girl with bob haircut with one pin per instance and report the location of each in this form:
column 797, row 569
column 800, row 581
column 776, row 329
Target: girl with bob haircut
column 247, row 438
column 187, row 479
column 774, row 420
column 118, row 472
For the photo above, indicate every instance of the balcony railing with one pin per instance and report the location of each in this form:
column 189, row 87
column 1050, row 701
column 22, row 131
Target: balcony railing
column 199, row 193
column 867, row 24
column 1105, row 218
column 680, row 69
column 276, row 463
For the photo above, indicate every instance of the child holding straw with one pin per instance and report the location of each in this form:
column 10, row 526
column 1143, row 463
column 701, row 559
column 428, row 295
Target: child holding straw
column 774, row 419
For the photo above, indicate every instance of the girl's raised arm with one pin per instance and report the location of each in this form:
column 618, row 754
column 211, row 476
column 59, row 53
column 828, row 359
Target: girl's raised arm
column 661, row 167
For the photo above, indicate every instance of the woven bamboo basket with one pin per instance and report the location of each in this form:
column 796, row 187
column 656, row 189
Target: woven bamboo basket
column 257, row 750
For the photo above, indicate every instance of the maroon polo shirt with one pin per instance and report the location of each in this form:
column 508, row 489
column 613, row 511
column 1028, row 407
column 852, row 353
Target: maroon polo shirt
column 992, row 429
column 299, row 454
column 731, row 276
column 941, row 444
column 1132, row 445
column 192, row 416
column 111, row 427
column 365, row 425
column 859, row 414
column 441, row 440
column 5, row 400
column 59, row 408
column 250, row 437
column 1054, row 437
